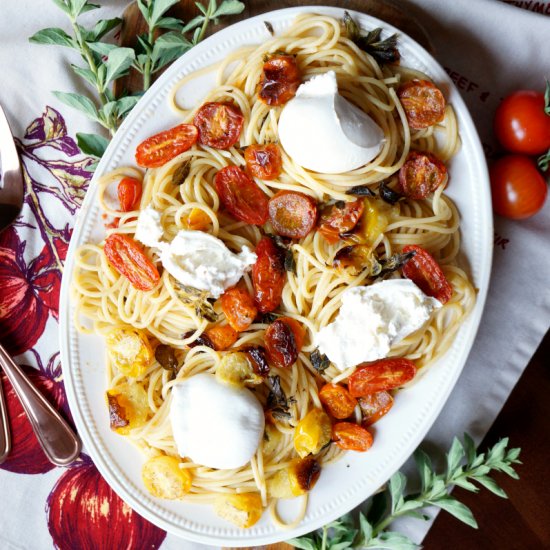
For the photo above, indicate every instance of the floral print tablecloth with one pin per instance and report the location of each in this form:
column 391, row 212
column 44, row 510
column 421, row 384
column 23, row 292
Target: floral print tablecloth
column 70, row 508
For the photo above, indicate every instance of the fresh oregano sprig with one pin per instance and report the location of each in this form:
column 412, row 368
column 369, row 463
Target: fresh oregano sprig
column 105, row 62
column 464, row 468
column 544, row 160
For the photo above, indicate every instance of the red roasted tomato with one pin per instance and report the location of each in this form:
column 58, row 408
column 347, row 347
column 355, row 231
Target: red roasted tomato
column 219, row 124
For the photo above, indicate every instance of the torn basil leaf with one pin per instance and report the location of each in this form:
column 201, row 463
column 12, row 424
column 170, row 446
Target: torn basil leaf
column 388, row 194
column 319, row 361
column 166, row 357
column 361, row 191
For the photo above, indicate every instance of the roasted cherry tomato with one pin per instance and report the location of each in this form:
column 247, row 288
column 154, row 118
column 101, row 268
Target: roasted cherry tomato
column 385, row 374
column 280, row 80
column 355, row 258
column 337, row 400
column 128, row 258
column 521, row 125
column 268, row 275
column 351, row 437
column 423, row 102
column 264, row 161
column 241, row 196
column 312, row 433
column 339, row 218
column 129, row 194
column 222, row 336
column 292, row 214
column 425, row 273
column 163, row 477
column 239, row 308
column 197, row 220
column 160, row 148
column 518, row 189
column 280, row 343
column 421, row 175
column 374, row 406
column 219, row 124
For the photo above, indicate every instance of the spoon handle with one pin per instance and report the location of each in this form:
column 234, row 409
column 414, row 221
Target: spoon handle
column 57, row 439
column 5, row 439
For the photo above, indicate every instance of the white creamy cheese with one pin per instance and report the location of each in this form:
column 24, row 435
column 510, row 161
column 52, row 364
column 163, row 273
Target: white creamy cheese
column 216, row 425
column 203, row 261
column 324, row 132
column 149, row 230
column 372, row 319
column 194, row 258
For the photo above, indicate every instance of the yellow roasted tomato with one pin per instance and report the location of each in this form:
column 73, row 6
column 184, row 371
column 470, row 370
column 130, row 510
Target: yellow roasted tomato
column 163, row 477
column 243, row 509
column 128, row 407
column 236, row 370
column 299, row 477
column 312, row 433
column 130, row 351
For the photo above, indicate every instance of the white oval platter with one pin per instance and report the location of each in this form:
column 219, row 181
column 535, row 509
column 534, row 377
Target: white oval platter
column 348, row 482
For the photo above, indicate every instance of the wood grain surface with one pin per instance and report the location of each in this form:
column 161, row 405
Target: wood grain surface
column 523, row 521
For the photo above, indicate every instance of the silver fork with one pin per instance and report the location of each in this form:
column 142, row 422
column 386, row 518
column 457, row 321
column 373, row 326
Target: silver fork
column 55, row 436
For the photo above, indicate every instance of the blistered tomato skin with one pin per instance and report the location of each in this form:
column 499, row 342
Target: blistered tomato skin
column 339, row 218
column 268, row 275
column 160, row 148
column 423, row 102
column 219, row 124
column 238, row 307
column 374, row 406
column 518, row 190
column 279, row 81
column 424, row 271
column 351, row 437
column 292, row 214
column 521, row 125
column 263, row 161
column 382, row 375
column 129, row 194
column 337, row 400
column 421, row 175
column 240, row 195
column 280, row 344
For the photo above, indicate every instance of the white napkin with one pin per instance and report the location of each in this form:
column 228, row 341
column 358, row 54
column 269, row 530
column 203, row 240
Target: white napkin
column 488, row 48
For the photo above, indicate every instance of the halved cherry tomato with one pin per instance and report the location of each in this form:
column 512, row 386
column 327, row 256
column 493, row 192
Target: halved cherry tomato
column 222, row 336
column 160, row 148
column 374, row 406
column 521, row 125
column 292, row 214
column 337, row 400
column 263, row 161
column 385, row 374
column 268, row 275
column 129, row 194
column 351, row 437
column 239, row 308
column 339, row 218
column 298, row 330
column 258, row 359
column 197, row 220
column 241, row 196
column 518, row 189
column 423, row 102
column 421, row 175
column 128, row 258
column 219, row 124
column 280, row 344
column 280, row 80
column 424, row 272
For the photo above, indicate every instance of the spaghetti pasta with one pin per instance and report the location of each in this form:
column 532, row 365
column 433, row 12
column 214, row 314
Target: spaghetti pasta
column 312, row 293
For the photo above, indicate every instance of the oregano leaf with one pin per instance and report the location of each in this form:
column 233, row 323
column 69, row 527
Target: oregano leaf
column 391, row 540
column 118, row 62
column 79, row 102
column 304, row 542
column 86, row 74
column 102, row 27
column 193, row 24
column 465, row 484
column 454, row 456
column 126, row 104
column 62, row 5
column 424, row 467
column 547, row 99
column 159, row 8
column 53, row 36
column 168, row 47
column 397, row 486
column 101, row 48
column 469, row 448
column 456, row 509
column 92, row 144
column 170, row 23
column 229, row 7
column 491, row 485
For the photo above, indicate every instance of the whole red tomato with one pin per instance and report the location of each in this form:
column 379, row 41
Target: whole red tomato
column 521, row 125
column 517, row 187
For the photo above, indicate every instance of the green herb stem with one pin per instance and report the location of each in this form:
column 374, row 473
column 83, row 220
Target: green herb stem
column 147, row 69
column 87, row 55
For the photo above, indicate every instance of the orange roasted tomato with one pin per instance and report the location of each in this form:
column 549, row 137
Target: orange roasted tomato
column 222, row 336
column 351, row 437
column 292, row 214
column 374, row 406
column 240, row 195
column 264, row 161
column 128, row 258
column 129, row 194
column 421, row 175
column 219, row 124
column 268, row 275
column 423, row 102
column 381, row 375
column 160, row 148
column 238, row 307
column 280, row 80
column 337, row 400
column 339, row 218
column 425, row 273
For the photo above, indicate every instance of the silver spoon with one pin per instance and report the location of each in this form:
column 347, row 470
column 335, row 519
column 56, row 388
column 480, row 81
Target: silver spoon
column 59, row 442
